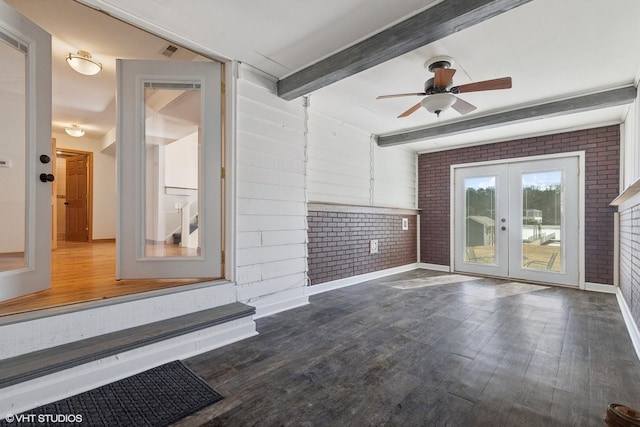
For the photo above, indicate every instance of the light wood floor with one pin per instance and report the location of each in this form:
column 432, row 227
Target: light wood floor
column 84, row 272
column 400, row 351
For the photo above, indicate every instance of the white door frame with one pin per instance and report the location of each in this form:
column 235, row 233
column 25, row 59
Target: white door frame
column 581, row 202
column 231, row 70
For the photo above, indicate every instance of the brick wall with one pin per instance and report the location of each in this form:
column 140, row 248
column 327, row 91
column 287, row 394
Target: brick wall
column 630, row 259
column 339, row 243
column 602, row 147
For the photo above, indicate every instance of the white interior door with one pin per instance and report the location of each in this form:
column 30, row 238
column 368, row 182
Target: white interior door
column 519, row 220
column 25, row 125
column 169, row 170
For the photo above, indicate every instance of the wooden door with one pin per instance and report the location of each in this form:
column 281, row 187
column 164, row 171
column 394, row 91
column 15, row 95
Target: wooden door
column 76, row 225
column 54, row 198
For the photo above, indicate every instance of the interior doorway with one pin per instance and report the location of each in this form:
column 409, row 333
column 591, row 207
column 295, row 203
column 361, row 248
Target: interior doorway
column 74, row 195
column 81, row 202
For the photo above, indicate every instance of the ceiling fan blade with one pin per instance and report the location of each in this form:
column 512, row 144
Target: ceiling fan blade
column 411, row 110
column 443, row 76
column 398, row 95
column 502, row 83
column 462, row 106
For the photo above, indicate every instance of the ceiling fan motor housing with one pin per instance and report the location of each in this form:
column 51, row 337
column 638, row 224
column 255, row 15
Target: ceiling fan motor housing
column 438, row 62
column 430, row 88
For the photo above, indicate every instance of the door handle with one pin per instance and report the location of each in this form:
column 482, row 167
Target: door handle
column 47, row 177
column 66, row 203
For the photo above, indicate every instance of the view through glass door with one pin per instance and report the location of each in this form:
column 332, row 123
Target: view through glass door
column 169, row 170
column 518, row 220
column 25, row 155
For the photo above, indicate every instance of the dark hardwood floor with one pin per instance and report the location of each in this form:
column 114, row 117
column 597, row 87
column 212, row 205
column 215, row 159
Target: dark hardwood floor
column 480, row 352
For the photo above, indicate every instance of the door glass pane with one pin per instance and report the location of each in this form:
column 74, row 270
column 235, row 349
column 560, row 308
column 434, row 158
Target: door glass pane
column 172, row 175
column 542, row 220
column 480, row 227
column 13, row 148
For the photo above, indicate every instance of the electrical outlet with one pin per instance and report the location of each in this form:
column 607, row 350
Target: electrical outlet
column 373, row 246
column 405, row 224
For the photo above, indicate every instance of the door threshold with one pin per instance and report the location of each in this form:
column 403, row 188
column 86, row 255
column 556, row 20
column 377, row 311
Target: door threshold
column 513, row 279
column 39, row 313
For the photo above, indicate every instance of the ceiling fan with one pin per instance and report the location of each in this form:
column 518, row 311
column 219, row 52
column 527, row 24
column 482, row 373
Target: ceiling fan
column 440, row 93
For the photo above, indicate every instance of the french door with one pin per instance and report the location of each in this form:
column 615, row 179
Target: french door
column 519, row 220
column 25, row 156
column 169, row 174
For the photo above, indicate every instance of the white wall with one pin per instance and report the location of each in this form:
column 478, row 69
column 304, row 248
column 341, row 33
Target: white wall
column 346, row 166
column 12, row 179
column 395, row 181
column 104, row 183
column 181, row 162
column 630, row 162
column 340, row 161
column 271, row 208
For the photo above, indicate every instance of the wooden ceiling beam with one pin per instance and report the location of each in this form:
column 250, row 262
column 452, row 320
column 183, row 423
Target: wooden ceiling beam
column 426, row 27
column 610, row 98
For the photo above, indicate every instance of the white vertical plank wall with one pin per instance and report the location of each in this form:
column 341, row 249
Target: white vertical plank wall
column 346, row 167
column 394, row 172
column 339, row 168
column 271, row 207
column 630, row 171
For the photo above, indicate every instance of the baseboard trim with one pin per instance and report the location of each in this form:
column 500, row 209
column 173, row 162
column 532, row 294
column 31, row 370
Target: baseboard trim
column 50, row 388
column 353, row 280
column 281, row 301
column 435, row 267
column 600, row 287
column 632, row 328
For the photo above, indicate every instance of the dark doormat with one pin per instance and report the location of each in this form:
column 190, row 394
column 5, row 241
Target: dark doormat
column 157, row 397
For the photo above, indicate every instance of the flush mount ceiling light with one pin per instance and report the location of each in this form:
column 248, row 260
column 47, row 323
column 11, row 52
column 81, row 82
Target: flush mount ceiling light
column 83, row 64
column 74, row 130
column 438, row 102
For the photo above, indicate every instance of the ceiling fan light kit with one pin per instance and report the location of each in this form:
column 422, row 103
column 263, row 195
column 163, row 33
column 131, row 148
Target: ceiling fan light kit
column 83, row 63
column 440, row 92
column 438, row 102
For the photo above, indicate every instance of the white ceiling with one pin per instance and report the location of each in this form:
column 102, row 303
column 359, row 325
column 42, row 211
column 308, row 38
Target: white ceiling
column 552, row 50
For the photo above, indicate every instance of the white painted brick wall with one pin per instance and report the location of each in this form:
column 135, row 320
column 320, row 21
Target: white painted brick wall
column 271, row 205
column 343, row 166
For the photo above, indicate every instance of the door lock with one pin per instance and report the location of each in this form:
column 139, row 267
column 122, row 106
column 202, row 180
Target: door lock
column 47, row 177
column 503, row 228
column 44, row 158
